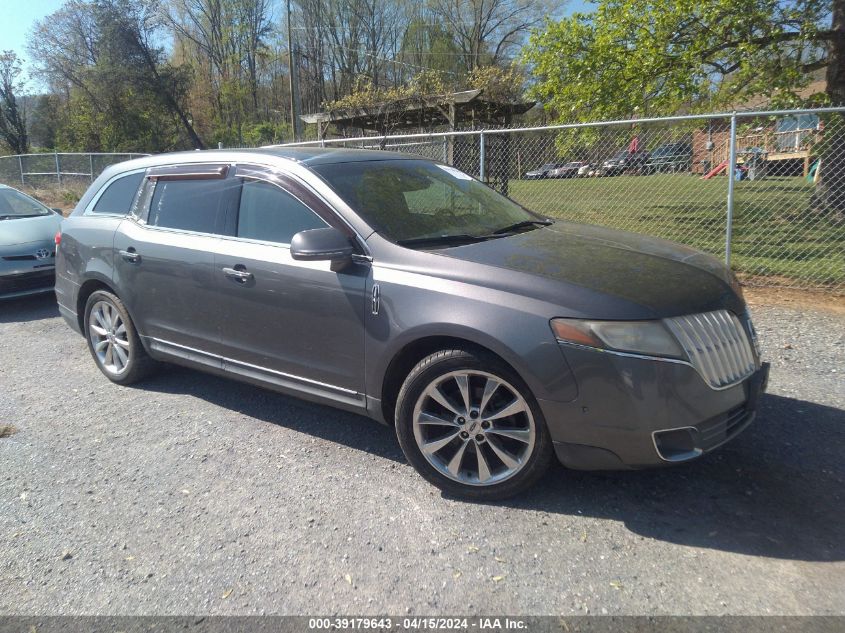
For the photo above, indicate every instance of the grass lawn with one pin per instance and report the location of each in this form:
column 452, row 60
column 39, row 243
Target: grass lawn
column 774, row 233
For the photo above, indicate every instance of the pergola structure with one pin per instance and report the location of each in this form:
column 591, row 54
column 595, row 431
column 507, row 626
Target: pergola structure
column 421, row 113
column 468, row 108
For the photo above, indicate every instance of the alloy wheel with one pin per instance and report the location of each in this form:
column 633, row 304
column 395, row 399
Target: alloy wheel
column 474, row 427
column 109, row 338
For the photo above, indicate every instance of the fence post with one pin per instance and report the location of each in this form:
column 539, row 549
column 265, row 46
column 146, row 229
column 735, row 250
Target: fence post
column 20, row 166
column 91, row 163
column 58, row 169
column 731, row 178
column 481, row 170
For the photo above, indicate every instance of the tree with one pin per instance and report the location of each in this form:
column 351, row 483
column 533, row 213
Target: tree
column 652, row 57
column 224, row 40
column 128, row 28
column 655, row 57
column 118, row 91
column 12, row 116
column 487, row 31
column 44, row 119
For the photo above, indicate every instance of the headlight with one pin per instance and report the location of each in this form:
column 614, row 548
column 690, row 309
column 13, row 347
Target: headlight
column 650, row 338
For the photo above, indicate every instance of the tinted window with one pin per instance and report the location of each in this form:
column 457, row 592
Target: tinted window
column 119, row 195
column 190, row 205
column 14, row 204
column 412, row 199
column 270, row 214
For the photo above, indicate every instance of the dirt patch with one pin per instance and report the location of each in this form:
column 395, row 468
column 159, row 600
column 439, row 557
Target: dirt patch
column 7, row 430
column 816, row 300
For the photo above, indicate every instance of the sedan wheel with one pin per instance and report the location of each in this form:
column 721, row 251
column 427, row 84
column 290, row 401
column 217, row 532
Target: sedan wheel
column 469, row 424
column 109, row 338
column 474, row 427
column 113, row 341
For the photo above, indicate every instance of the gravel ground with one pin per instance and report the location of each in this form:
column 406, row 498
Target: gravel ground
column 191, row 494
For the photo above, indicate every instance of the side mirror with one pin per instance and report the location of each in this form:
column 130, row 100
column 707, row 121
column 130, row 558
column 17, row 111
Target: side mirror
column 326, row 244
column 58, row 211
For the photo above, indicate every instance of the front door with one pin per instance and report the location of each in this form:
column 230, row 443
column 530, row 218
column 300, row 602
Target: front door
column 294, row 322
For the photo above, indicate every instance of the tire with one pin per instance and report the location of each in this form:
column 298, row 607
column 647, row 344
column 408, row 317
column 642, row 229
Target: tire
column 113, row 340
column 500, row 449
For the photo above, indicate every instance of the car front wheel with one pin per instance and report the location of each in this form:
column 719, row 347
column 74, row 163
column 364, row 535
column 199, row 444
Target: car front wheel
column 470, row 426
column 113, row 340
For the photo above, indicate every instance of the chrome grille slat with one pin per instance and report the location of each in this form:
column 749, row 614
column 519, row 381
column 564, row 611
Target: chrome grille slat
column 727, row 352
column 708, row 365
column 745, row 343
column 717, row 346
column 714, row 347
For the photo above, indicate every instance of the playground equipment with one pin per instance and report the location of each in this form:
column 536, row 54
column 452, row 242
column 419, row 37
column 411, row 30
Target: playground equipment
column 718, row 169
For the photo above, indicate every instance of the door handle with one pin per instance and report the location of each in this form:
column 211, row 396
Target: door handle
column 130, row 256
column 241, row 276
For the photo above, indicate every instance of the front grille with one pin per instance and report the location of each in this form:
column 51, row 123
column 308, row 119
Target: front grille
column 27, row 281
column 25, row 258
column 717, row 346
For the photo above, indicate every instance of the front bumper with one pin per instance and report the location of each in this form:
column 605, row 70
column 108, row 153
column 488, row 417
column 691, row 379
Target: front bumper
column 636, row 413
column 21, row 284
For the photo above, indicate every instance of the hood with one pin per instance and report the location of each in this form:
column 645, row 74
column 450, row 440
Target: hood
column 604, row 273
column 29, row 230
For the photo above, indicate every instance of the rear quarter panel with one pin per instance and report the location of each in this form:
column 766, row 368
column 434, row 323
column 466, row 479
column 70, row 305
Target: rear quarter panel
column 86, row 253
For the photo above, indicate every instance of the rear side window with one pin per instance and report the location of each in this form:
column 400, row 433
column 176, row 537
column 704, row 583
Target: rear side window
column 189, row 205
column 118, row 197
column 270, row 214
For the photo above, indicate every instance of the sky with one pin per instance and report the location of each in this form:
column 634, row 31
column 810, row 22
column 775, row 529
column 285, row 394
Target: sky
column 19, row 16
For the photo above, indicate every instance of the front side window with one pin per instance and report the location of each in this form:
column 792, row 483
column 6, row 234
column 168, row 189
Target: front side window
column 14, row 205
column 407, row 200
column 119, row 195
column 189, row 205
column 270, row 214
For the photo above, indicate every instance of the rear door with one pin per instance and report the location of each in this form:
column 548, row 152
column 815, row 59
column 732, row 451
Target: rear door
column 165, row 270
column 294, row 322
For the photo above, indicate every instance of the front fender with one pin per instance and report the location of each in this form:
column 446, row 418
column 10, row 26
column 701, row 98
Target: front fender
column 512, row 327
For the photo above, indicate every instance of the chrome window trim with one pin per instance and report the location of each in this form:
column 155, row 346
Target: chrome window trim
column 89, row 208
column 166, row 229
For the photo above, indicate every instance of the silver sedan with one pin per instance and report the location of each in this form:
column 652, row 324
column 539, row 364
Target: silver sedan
column 27, row 246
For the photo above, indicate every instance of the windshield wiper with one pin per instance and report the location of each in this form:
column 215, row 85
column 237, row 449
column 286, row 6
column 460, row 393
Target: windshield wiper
column 16, row 216
column 521, row 225
column 458, row 238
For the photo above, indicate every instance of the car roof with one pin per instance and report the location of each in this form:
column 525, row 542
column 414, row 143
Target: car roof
column 309, row 156
column 305, row 156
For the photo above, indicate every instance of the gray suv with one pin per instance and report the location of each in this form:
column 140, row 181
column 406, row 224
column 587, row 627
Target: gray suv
column 492, row 338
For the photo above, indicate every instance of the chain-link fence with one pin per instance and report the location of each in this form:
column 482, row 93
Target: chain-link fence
column 40, row 170
column 764, row 190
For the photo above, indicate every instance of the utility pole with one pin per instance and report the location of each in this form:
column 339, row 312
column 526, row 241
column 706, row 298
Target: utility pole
column 291, row 81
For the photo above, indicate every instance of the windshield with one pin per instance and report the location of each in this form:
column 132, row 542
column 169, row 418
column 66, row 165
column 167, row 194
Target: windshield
column 417, row 199
column 669, row 150
column 14, row 204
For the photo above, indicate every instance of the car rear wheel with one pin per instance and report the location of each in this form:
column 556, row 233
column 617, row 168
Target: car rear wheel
column 471, row 427
column 113, row 340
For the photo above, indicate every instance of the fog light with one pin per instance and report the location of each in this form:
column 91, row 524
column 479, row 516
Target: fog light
column 676, row 445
